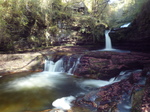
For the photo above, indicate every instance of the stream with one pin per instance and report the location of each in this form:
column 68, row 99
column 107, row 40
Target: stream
column 56, row 87
column 48, row 89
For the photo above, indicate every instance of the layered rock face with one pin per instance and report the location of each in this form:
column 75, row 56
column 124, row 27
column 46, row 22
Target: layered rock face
column 105, row 65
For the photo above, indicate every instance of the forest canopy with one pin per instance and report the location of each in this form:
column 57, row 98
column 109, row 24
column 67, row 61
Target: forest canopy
column 39, row 23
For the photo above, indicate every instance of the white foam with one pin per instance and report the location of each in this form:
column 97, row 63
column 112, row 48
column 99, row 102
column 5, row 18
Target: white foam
column 54, row 67
column 63, row 103
column 125, row 25
column 91, row 83
column 96, row 83
column 43, row 79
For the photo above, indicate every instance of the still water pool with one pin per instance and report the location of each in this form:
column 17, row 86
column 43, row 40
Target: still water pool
column 22, row 92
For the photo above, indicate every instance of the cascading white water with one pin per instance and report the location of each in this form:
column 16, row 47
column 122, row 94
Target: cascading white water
column 55, row 85
column 69, row 64
column 74, row 66
column 93, row 83
column 58, row 66
column 50, row 66
column 108, row 45
column 125, row 25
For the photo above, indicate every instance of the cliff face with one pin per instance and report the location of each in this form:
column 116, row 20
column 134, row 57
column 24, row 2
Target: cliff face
column 141, row 25
column 137, row 36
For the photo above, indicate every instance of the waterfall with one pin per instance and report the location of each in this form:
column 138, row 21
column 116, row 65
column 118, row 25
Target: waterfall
column 74, row 66
column 50, row 66
column 108, row 45
column 60, row 66
column 125, row 25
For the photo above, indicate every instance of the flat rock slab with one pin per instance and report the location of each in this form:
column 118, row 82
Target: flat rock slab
column 10, row 63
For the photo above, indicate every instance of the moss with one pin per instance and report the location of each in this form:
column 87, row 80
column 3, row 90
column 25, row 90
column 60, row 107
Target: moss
column 137, row 101
column 53, row 30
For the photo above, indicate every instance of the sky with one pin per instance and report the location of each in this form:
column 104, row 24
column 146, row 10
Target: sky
column 112, row 1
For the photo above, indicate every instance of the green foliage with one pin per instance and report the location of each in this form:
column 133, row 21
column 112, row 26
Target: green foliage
column 91, row 25
column 22, row 19
column 122, row 12
column 53, row 30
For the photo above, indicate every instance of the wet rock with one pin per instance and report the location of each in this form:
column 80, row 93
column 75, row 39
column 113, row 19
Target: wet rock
column 145, row 107
column 141, row 99
column 108, row 98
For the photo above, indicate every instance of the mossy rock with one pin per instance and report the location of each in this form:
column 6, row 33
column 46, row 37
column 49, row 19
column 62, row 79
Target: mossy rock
column 137, row 101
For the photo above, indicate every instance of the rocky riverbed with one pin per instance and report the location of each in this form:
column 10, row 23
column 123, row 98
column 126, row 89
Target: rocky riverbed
column 94, row 65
